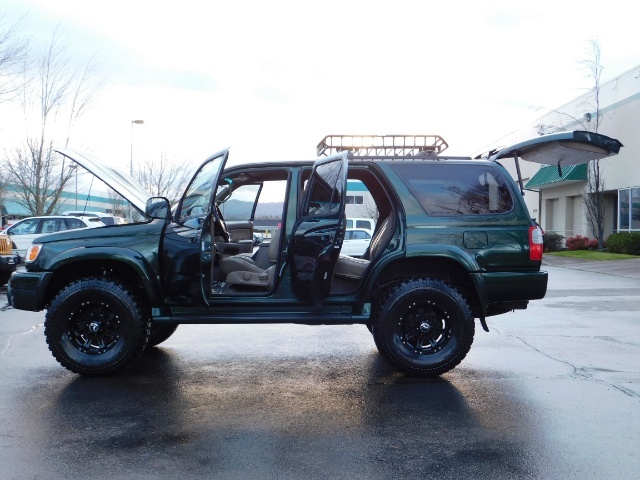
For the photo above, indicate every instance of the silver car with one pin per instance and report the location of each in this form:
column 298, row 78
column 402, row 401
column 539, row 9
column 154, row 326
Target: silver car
column 22, row 233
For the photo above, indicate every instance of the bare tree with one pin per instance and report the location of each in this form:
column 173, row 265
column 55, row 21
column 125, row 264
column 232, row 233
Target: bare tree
column 56, row 91
column 13, row 52
column 117, row 203
column 594, row 199
column 370, row 209
column 164, row 177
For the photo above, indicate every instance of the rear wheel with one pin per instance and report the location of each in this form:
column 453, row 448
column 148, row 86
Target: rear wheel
column 423, row 327
column 95, row 326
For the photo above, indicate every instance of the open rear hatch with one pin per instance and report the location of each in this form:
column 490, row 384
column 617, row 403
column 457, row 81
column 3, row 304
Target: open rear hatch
column 561, row 149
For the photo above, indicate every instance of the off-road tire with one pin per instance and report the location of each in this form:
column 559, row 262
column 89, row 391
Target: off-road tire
column 161, row 332
column 423, row 327
column 95, row 326
column 4, row 278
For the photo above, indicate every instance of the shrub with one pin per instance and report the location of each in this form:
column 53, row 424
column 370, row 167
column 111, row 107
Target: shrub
column 624, row 242
column 552, row 241
column 593, row 244
column 579, row 243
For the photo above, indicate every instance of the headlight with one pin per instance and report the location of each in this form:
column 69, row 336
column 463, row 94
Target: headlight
column 33, row 252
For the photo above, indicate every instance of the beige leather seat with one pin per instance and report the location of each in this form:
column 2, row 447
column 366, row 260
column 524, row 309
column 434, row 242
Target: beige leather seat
column 242, row 269
column 352, row 268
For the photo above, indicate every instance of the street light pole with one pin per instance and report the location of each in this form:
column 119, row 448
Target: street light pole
column 133, row 122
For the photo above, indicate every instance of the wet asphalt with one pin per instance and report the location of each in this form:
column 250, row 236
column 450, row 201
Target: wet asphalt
column 551, row 392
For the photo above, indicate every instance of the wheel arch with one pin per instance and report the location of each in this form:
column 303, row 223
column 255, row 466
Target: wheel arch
column 125, row 266
column 449, row 269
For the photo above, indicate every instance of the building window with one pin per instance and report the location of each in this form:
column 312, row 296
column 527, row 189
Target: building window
column 629, row 209
column 355, row 199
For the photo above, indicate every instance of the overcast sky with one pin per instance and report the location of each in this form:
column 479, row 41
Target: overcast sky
column 271, row 78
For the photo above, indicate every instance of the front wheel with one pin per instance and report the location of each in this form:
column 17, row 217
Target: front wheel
column 423, row 327
column 95, row 326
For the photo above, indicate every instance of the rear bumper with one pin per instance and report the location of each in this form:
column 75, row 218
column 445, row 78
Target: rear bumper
column 26, row 290
column 514, row 286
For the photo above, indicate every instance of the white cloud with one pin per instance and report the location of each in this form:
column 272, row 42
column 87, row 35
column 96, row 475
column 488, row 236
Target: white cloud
column 271, row 78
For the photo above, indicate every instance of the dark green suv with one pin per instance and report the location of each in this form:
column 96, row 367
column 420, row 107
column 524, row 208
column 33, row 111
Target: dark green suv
column 453, row 242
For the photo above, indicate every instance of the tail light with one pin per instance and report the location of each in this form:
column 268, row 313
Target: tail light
column 536, row 242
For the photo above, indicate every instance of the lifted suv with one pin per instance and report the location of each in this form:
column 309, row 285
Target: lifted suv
column 453, row 242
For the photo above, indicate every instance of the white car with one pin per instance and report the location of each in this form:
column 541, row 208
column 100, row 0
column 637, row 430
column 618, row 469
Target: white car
column 22, row 233
column 356, row 241
column 104, row 217
column 366, row 224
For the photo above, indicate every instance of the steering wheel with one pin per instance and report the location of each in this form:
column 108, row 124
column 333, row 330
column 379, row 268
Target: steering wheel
column 219, row 228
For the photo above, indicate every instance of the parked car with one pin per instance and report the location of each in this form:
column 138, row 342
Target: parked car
column 356, row 241
column 104, row 217
column 367, row 224
column 25, row 231
column 453, row 242
column 8, row 259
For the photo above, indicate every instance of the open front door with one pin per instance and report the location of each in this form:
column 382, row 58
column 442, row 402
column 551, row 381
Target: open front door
column 196, row 212
column 319, row 232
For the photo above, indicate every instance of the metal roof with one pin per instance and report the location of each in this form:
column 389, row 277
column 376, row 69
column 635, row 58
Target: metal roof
column 549, row 176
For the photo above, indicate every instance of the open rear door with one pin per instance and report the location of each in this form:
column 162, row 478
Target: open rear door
column 319, row 232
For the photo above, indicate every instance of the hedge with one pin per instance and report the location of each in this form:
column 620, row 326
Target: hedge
column 582, row 243
column 552, row 241
column 624, row 242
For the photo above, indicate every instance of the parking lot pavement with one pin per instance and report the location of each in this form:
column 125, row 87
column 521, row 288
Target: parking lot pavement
column 551, row 392
column 629, row 268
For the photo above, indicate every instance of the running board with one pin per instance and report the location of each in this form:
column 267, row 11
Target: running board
column 304, row 318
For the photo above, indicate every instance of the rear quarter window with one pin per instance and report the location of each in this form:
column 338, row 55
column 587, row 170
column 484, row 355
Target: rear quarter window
column 449, row 189
column 73, row 223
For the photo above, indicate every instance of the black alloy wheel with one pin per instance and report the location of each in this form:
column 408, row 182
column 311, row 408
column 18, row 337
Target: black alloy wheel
column 95, row 326
column 423, row 327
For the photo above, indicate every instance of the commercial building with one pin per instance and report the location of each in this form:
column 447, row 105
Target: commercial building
column 556, row 198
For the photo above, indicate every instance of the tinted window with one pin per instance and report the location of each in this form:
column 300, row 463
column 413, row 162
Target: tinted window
column 197, row 198
column 51, row 225
column 326, row 189
column 358, row 235
column 446, row 189
column 74, row 223
column 364, row 224
column 25, row 228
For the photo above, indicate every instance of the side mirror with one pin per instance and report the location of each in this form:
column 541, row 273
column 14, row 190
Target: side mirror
column 158, row 207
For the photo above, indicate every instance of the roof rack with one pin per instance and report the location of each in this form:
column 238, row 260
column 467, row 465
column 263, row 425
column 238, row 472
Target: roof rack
column 382, row 145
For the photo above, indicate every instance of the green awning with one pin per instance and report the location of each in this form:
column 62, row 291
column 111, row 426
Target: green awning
column 10, row 207
column 549, row 176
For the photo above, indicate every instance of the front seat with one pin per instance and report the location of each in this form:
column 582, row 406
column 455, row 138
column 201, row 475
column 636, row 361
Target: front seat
column 353, row 268
column 244, row 270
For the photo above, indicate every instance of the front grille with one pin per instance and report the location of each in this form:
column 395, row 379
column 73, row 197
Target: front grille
column 5, row 245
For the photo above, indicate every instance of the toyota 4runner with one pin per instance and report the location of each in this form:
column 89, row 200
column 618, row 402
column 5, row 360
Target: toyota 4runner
column 453, row 242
